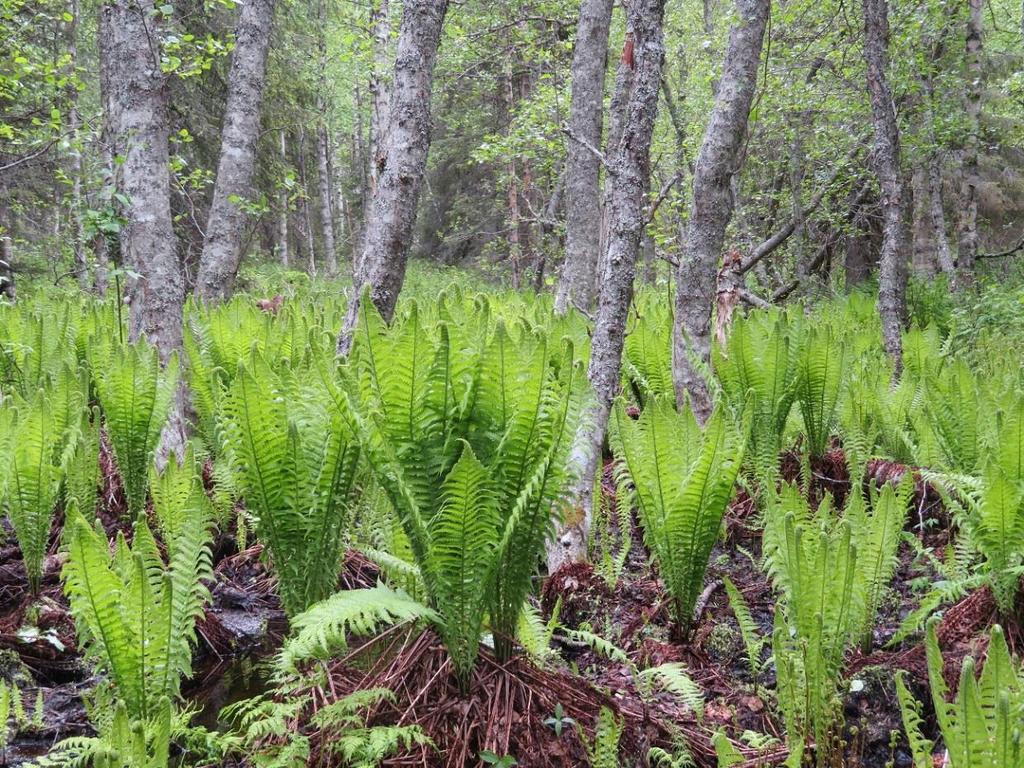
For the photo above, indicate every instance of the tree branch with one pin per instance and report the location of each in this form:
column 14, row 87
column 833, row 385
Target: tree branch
column 787, row 229
column 1002, row 254
column 662, row 194
column 590, row 148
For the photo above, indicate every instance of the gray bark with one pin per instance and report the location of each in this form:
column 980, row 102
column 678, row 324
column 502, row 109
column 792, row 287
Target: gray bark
column 326, row 196
column 624, row 74
column 138, row 119
column 385, row 247
column 967, row 234
column 583, row 169
column 628, row 203
column 7, row 285
column 75, row 171
column 938, row 216
column 712, row 204
column 380, row 91
column 305, row 219
column 282, row 205
column 892, row 273
column 222, row 246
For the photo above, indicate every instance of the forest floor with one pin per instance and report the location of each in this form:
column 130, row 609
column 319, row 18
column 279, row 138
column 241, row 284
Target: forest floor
column 508, row 704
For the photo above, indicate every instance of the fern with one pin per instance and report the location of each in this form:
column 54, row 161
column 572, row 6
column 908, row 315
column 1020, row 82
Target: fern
column 672, row 678
column 910, row 710
column 813, row 563
column 876, row 537
column 981, row 725
column 135, row 616
column 752, row 639
column 296, row 462
column 684, row 480
column 326, row 625
column 818, row 383
column 604, row 750
column 757, row 370
column 44, row 428
column 466, row 430
column 135, row 396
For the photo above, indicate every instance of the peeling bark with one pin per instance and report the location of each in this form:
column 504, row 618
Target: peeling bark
column 631, row 184
column 583, row 169
column 222, row 246
column 712, row 205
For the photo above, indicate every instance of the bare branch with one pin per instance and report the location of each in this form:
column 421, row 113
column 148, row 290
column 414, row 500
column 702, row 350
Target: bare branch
column 590, row 148
column 787, row 229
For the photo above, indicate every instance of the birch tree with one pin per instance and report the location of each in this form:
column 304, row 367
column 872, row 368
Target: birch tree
column 222, row 246
column 629, row 179
column 712, row 204
column 892, row 271
column 583, row 168
column 403, row 160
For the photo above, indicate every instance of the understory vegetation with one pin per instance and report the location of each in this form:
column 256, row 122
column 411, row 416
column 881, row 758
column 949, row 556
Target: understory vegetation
column 351, row 549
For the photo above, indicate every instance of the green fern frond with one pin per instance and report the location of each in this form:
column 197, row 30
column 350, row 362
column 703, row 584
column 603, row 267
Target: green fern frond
column 325, row 626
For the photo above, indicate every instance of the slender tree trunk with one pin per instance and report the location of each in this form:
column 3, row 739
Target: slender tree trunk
column 892, row 273
column 75, row 124
column 967, row 245
column 385, row 248
column 7, row 287
column 138, row 118
column 306, row 220
column 937, row 219
column 624, row 74
column 326, row 196
column 924, row 258
column 380, row 90
column 325, row 175
column 583, row 180
column 222, row 247
column 712, row 205
column 630, row 182
column 282, row 204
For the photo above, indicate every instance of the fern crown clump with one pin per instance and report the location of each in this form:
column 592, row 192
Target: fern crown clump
column 684, row 480
column 135, row 394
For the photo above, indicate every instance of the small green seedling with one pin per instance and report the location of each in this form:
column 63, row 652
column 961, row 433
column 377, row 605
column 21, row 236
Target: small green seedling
column 558, row 720
column 498, row 761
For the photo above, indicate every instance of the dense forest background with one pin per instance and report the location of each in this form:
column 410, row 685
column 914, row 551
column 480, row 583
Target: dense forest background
column 493, row 197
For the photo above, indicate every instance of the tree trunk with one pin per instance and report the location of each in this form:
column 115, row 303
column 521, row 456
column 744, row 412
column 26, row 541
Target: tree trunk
column 712, row 205
column 967, row 235
column 305, row 219
column 923, row 260
column 385, row 247
column 74, row 125
column 630, row 182
column 138, row 118
column 938, row 216
column 326, row 196
column 282, row 205
column 7, row 286
column 624, row 74
column 222, row 247
column 892, row 273
column 583, row 169
column 380, row 91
